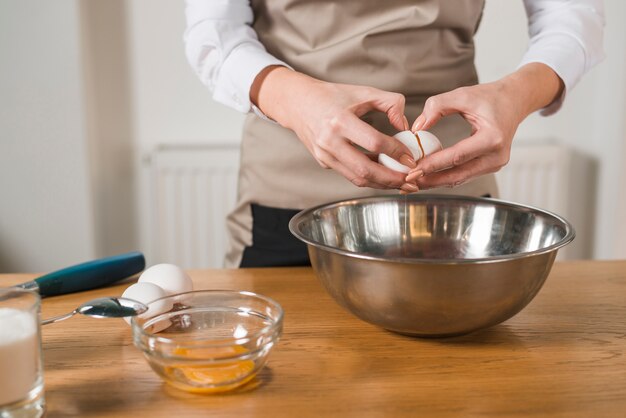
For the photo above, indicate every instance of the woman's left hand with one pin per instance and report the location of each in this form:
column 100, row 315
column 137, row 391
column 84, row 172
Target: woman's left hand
column 494, row 111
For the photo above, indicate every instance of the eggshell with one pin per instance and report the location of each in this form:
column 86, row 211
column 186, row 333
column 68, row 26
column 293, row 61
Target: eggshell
column 408, row 138
column 147, row 293
column 169, row 277
column 429, row 141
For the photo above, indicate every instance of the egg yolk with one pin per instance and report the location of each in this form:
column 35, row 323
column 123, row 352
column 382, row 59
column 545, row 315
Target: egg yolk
column 216, row 375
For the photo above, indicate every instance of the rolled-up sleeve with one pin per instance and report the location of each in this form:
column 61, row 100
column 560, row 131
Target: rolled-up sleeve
column 224, row 50
column 567, row 36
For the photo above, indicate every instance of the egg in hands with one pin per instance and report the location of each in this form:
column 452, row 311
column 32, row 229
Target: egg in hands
column 420, row 143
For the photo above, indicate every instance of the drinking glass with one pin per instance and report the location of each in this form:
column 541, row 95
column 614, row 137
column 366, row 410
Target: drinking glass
column 21, row 375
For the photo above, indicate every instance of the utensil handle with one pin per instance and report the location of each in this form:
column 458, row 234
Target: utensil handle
column 57, row 318
column 91, row 274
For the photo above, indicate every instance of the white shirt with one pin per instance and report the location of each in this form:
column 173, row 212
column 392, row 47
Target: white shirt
column 226, row 54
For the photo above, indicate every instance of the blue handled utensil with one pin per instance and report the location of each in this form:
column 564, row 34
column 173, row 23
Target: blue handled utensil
column 89, row 275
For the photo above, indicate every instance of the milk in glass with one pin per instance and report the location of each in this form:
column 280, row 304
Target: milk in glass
column 21, row 378
column 19, row 355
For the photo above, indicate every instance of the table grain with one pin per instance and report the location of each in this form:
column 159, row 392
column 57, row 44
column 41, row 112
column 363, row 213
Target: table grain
column 563, row 355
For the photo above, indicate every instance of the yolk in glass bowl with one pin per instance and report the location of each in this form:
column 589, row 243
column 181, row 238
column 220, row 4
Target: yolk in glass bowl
column 210, row 377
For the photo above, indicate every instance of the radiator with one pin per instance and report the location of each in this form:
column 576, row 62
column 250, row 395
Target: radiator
column 552, row 176
column 192, row 189
column 537, row 175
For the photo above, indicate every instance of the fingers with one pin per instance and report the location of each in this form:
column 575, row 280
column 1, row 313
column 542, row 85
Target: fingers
column 461, row 174
column 454, row 156
column 436, row 107
column 364, row 171
column 356, row 180
column 360, row 170
column 407, row 188
column 330, row 138
column 460, row 163
column 456, row 176
column 493, row 120
column 348, row 125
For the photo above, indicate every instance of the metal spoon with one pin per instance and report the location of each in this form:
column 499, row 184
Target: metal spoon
column 104, row 308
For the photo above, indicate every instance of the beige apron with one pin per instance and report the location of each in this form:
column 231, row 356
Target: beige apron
column 415, row 47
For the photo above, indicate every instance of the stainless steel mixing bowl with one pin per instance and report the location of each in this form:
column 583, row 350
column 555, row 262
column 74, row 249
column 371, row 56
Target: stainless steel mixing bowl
column 430, row 265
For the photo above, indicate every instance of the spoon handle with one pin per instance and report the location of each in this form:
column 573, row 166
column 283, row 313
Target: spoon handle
column 89, row 275
column 57, row 318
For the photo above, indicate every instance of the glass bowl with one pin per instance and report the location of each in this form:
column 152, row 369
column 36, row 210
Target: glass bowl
column 211, row 340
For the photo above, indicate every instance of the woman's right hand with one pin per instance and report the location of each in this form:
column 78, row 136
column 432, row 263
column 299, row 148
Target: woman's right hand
column 326, row 118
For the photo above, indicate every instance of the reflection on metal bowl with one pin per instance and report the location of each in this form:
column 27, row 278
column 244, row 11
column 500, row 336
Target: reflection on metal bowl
column 431, row 265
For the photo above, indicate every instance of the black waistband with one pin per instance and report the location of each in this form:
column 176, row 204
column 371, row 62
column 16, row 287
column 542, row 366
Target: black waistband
column 272, row 243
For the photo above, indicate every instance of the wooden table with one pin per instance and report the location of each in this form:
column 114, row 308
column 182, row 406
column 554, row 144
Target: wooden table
column 564, row 355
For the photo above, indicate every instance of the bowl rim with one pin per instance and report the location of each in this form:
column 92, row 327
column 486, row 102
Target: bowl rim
column 570, row 233
column 267, row 330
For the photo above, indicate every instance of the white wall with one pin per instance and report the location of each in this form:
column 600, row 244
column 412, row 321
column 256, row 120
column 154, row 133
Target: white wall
column 620, row 225
column 106, row 69
column 170, row 104
column 45, row 199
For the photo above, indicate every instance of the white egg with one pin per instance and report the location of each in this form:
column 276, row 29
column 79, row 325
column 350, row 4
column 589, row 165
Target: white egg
column 147, row 293
column 428, row 141
column 169, row 277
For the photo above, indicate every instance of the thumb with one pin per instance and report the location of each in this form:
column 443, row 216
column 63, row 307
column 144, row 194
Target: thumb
column 436, row 107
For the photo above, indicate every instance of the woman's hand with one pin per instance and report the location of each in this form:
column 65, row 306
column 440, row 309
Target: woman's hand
column 326, row 118
column 494, row 111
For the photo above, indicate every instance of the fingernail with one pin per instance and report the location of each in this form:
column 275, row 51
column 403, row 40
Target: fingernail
column 409, row 188
column 419, row 123
column 414, row 175
column 407, row 160
column 406, row 123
